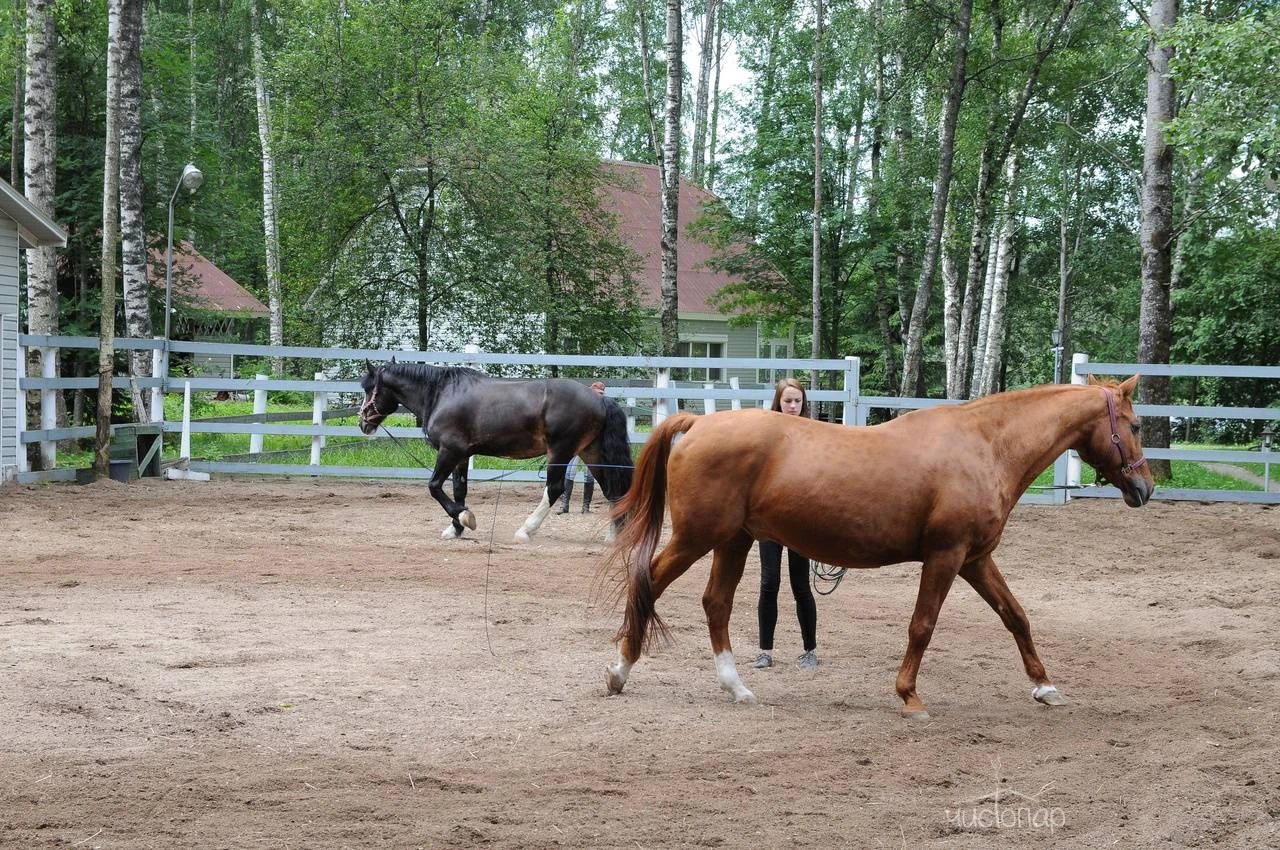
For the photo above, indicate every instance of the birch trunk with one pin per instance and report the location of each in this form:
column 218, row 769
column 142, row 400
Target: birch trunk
column 993, row 355
column 815, row 347
column 884, row 305
column 671, row 180
column 951, row 302
column 706, row 43
column 110, row 237
column 15, row 128
column 275, row 300
column 715, row 111
column 40, row 152
column 133, row 235
column 1154, row 316
column 984, row 312
column 911, row 361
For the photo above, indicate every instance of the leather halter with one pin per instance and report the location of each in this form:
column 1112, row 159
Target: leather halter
column 1125, row 466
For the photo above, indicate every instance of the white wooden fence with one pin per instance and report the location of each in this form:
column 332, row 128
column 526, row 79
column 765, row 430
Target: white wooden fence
column 646, row 396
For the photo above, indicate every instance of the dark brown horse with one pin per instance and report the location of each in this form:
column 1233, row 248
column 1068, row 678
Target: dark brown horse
column 464, row 412
column 935, row 486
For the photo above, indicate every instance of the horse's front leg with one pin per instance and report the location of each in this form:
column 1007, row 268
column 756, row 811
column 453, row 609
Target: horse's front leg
column 557, row 466
column 446, row 462
column 717, row 601
column 938, row 573
column 985, row 577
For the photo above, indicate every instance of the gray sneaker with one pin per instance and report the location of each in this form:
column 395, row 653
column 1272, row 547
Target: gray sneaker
column 763, row 660
column 809, row 659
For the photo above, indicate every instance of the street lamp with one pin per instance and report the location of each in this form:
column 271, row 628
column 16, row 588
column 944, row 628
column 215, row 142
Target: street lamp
column 191, row 178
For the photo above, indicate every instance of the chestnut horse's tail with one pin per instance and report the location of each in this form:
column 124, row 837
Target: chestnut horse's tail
column 643, row 509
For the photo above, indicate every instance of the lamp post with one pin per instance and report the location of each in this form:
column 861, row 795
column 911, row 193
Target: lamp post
column 191, row 178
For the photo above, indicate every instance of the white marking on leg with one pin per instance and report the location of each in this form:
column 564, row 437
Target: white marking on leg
column 450, row 532
column 534, row 522
column 1048, row 694
column 617, row 675
column 727, row 673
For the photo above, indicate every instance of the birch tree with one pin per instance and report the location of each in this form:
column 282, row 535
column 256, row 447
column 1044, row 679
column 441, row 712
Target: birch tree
column 271, row 232
column 133, row 233
column 1154, row 333
column 816, row 294
column 670, row 328
column 40, row 151
column 992, row 354
column 941, row 189
column 701, row 109
column 110, row 237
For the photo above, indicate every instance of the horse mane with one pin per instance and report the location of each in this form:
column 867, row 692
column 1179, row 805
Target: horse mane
column 435, row 376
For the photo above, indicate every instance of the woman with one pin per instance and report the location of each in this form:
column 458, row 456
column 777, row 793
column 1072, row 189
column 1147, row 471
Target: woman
column 790, row 398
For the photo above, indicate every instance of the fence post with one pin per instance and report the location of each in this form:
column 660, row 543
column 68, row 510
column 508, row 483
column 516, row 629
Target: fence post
column 708, row 404
column 157, row 393
column 660, row 382
column 852, row 390
column 631, row 415
column 319, row 403
column 184, row 449
column 21, row 447
column 48, row 407
column 259, row 406
column 1072, row 473
column 736, row 403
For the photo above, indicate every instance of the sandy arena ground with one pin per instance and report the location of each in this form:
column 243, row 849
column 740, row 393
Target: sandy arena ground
column 306, row 664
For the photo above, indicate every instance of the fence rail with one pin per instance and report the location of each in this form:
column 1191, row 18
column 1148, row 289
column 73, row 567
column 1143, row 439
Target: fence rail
column 647, row 402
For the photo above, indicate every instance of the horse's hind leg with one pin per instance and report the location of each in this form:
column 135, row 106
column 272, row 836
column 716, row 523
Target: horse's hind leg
column 557, row 466
column 717, row 600
column 668, row 565
column 985, row 577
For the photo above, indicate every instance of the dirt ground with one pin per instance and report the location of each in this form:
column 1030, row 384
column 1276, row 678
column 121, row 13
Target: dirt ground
column 306, row 664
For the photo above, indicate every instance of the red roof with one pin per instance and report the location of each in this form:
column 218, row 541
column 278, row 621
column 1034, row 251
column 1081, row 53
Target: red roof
column 204, row 283
column 638, row 204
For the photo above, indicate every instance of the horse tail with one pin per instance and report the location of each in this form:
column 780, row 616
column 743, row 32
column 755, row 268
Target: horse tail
column 615, row 452
column 643, row 509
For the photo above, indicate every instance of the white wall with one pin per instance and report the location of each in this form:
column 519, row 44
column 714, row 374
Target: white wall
column 8, row 347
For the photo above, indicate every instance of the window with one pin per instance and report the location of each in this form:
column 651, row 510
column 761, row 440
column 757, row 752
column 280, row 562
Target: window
column 772, row 350
column 698, row 348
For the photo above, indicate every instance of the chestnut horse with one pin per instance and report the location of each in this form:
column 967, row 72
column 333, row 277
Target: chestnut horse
column 935, row 486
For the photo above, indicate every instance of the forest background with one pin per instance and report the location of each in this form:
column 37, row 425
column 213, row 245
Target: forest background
column 990, row 175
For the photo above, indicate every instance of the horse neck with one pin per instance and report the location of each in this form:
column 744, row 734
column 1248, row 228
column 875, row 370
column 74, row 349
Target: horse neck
column 1029, row 433
column 416, row 391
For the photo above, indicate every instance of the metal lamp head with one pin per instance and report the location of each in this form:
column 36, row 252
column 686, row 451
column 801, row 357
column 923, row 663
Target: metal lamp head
column 192, row 177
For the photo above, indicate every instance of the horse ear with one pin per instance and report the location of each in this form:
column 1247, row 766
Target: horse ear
column 393, row 358
column 1128, row 387
column 1092, row 381
column 368, row 367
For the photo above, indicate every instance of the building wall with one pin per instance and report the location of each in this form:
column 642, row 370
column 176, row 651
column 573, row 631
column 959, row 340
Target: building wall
column 8, row 347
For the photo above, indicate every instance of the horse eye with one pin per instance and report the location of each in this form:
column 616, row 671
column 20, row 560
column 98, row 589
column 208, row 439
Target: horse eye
column 1135, row 428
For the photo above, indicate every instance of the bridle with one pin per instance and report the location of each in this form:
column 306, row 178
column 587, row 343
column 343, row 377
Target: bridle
column 1125, row 466
column 369, row 403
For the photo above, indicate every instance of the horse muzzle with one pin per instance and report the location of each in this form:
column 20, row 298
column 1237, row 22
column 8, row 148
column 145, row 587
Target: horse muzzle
column 368, row 426
column 1139, row 490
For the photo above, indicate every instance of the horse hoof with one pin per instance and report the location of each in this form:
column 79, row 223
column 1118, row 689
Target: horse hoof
column 450, row 532
column 745, row 698
column 521, row 536
column 916, row 714
column 1048, row 694
column 468, row 519
column 613, row 682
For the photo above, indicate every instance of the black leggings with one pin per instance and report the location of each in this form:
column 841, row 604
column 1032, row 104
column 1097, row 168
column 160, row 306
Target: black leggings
column 770, row 578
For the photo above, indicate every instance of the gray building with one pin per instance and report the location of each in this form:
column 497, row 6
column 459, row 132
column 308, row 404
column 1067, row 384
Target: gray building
column 21, row 226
